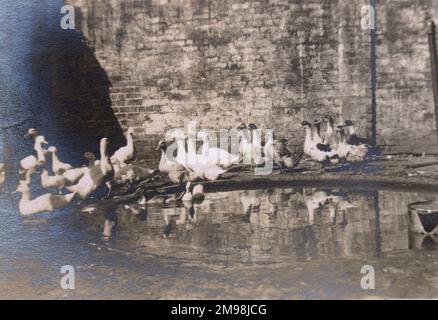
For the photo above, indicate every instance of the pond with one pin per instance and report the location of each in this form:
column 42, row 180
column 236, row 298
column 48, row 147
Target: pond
column 275, row 243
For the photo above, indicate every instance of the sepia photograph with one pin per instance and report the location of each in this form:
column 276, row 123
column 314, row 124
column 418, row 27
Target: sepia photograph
column 218, row 150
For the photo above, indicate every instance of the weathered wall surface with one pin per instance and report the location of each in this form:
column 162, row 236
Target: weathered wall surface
column 271, row 62
column 406, row 115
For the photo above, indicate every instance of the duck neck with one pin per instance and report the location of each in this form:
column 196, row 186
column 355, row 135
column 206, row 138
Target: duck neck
column 25, row 196
column 256, row 138
column 181, row 151
column 308, row 137
column 105, row 164
column 163, row 161
column 330, row 127
column 130, row 141
column 317, row 132
column 191, row 148
column 342, row 138
column 55, row 157
column 40, row 151
column 205, row 146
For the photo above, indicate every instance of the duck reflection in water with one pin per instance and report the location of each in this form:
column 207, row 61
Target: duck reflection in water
column 137, row 209
column 187, row 214
column 110, row 223
column 337, row 203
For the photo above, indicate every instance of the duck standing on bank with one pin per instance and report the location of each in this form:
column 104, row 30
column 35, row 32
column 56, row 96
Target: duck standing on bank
column 277, row 151
column 351, row 135
column 351, row 153
column 127, row 153
column 321, row 153
column 216, row 156
column 177, row 172
column 194, row 163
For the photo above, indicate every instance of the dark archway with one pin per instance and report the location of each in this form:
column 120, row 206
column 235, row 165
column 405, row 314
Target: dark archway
column 54, row 82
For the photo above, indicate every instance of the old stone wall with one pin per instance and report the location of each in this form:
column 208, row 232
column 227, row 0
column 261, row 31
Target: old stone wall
column 271, row 62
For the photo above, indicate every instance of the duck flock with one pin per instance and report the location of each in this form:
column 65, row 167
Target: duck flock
column 63, row 182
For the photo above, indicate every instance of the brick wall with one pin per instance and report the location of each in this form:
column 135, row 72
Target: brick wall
column 271, row 62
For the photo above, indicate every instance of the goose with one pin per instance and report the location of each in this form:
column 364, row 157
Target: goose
column 125, row 154
column 255, row 146
column 95, row 176
column 216, row 156
column 194, row 163
column 91, row 158
column 58, row 167
column 250, row 151
column 56, row 181
column 316, row 127
column 31, row 162
column 350, row 133
column 277, row 151
column 176, row 171
column 321, row 153
column 73, row 175
column 352, row 153
column 46, row 203
column 32, row 132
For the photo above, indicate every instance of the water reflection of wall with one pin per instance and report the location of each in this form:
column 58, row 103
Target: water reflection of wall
column 394, row 219
column 257, row 224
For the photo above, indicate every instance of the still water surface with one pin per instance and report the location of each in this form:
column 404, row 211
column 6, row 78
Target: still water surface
column 279, row 243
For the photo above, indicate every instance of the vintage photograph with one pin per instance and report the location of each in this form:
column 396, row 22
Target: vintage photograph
column 218, row 150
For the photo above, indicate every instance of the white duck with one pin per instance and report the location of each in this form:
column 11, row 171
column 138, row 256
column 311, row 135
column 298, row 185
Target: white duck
column 255, row 146
column 176, row 171
column 56, row 181
column 324, row 154
column 31, row 162
column 250, row 146
column 352, row 153
column 196, row 163
column 91, row 158
column 127, row 153
column 193, row 162
column 58, row 167
column 276, row 150
column 46, row 203
column 73, row 175
column 97, row 175
column 350, row 134
column 216, row 156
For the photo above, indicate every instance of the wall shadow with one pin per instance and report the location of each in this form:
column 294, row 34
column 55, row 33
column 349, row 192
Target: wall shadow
column 51, row 80
column 74, row 110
